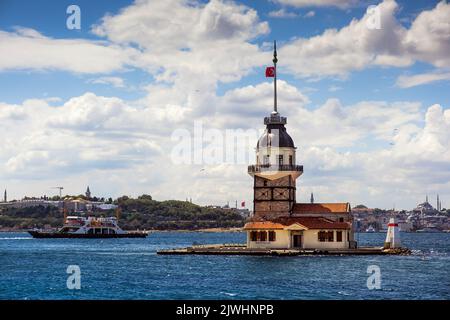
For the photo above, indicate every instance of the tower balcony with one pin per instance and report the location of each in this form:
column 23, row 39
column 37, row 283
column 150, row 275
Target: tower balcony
column 275, row 118
column 275, row 171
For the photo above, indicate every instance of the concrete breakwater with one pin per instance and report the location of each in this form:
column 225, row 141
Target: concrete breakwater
column 240, row 249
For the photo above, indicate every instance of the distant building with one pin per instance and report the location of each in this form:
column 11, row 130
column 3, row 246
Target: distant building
column 245, row 213
column 32, row 202
column 106, row 206
column 426, row 208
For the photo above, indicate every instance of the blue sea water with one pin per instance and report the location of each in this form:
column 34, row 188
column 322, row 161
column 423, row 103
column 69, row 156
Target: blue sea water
column 131, row 269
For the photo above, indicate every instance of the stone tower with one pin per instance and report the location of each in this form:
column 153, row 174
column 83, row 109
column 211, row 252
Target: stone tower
column 275, row 172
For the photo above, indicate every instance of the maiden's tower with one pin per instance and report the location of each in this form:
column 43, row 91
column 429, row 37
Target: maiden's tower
column 280, row 225
column 279, row 221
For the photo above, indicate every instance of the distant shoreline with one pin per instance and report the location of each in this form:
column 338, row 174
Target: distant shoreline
column 211, row 230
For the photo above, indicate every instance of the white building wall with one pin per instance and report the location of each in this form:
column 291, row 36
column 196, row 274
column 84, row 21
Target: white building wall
column 273, row 155
column 282, row 241
column 310, row 240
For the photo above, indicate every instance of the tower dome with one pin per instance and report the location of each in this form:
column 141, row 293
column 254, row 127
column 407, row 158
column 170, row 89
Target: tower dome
column 275, row 135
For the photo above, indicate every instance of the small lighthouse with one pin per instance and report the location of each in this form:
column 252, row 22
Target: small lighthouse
column 393, row 235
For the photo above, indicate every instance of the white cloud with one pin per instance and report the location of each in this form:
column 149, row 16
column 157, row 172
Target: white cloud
column 310, row 14
column 28, row 49
column 357, row 47
column 282, row 13
column 187, row 66
column 335, row 125
column 216, row 47
column 414, row 164
column 319, row 3
column 258, row 99
column 428, row 39
column 86, row 133
column 420, row 79
column 116, row 82
column 334, row 88
column 161, row 26
column 11, row 112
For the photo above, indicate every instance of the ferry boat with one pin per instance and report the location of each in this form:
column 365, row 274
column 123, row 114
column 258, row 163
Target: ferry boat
column 430, row 230
column 88, row 227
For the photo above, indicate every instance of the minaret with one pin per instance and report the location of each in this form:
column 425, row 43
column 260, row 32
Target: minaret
column 275, row 171
column 88, row 193
column 5, row 197
column 437, row 203
column 312, row 197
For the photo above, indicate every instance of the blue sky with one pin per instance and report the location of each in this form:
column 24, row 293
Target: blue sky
column 129, row 56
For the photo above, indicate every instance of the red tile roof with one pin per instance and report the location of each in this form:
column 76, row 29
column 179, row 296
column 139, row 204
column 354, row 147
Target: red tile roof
column 313, row 222
column 263, row 225
column 343, row 207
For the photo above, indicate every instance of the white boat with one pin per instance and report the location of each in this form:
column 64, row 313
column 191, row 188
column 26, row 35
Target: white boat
column 370, row 229
column 88, row 227
column 429, row 230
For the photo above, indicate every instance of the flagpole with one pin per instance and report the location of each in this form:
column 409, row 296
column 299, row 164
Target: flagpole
column 275, row 60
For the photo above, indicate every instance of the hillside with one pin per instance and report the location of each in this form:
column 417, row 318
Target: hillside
column 140, row 213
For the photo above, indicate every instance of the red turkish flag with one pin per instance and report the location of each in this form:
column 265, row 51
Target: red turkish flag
column 243, row 204
column 270, row 72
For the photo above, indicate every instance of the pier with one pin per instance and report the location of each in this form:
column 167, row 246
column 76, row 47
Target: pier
column 241, row 249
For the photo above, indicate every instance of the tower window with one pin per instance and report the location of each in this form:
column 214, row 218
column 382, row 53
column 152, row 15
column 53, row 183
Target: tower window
column 280, row 159
column 291, row 160
column 266, row 159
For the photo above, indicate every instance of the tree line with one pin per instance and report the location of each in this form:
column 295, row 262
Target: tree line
column 135, row 213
